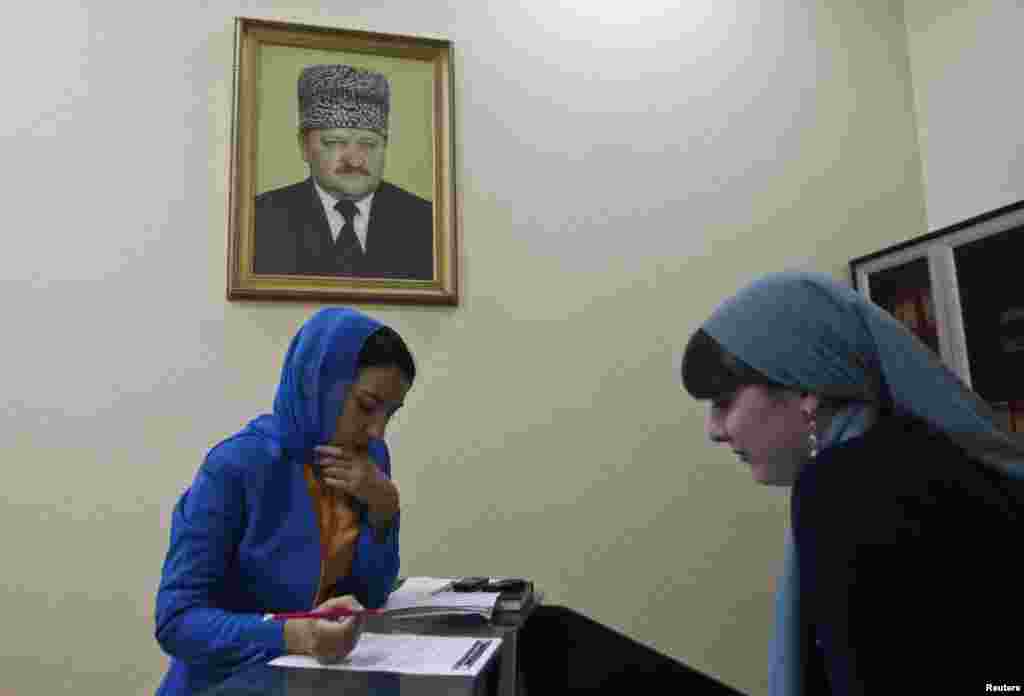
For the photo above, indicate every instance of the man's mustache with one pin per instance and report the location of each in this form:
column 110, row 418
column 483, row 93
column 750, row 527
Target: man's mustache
column 352, row 170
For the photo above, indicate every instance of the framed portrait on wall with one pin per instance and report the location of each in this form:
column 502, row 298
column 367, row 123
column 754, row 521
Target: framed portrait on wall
column 960, row 290
column 342, row 184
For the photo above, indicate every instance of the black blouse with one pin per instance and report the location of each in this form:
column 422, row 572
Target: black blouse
column 908, row 555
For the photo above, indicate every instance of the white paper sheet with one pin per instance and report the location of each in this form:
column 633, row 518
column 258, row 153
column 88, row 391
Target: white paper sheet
column 408, row 654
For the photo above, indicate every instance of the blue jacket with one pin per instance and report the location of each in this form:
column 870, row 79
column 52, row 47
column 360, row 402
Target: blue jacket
column 245, row 541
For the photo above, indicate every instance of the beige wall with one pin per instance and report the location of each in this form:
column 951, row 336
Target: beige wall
column 966, row 64
column 619, row 170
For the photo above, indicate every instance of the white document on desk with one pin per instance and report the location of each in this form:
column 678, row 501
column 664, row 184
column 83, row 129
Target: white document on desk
column 408, row 654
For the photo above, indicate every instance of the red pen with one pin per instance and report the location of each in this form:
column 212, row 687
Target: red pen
column 332, row 613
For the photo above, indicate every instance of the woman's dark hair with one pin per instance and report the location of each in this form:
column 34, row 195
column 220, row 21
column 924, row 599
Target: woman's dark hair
column 709, row 370
column 385, row 348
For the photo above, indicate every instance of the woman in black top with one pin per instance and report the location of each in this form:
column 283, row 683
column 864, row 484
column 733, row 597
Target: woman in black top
column 907, row 498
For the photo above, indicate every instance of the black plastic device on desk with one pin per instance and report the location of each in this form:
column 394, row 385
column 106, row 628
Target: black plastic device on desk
column 481, row 584
column 516, row 594
column 470, row 584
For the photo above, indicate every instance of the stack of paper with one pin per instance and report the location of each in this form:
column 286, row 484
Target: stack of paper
column 420, row 597
column 408, row 654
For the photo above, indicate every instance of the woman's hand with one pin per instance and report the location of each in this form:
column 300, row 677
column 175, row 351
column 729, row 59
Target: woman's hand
column 326, row 640
column 352, row 472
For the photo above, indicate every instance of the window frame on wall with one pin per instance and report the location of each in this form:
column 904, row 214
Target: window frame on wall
column 939, row 250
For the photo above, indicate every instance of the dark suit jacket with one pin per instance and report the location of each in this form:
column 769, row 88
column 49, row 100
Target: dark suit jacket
column 292, row 236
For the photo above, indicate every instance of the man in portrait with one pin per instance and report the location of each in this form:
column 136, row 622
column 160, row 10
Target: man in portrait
column 344, row 220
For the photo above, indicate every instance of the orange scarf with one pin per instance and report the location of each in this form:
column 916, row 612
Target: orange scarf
column 339, row 530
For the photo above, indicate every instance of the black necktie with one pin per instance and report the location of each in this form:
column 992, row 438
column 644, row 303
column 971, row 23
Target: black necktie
column 347, row 242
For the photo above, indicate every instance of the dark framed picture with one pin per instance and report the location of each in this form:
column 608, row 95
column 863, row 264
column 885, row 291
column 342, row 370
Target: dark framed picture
column 342, row 185
column 960, row 290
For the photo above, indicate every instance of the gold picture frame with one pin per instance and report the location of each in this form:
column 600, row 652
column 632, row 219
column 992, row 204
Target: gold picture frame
column 268, row 167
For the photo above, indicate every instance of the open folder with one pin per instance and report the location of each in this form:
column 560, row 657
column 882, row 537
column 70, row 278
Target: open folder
column 408, row 654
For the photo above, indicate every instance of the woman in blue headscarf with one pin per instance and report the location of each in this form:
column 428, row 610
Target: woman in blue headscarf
column 296, row 511
column 907, row 499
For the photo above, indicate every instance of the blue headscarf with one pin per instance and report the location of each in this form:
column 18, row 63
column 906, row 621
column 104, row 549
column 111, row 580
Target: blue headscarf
column 806, row 331
column 319, row 368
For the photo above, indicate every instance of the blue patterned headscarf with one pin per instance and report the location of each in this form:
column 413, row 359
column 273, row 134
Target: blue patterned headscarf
column 319, row 368
column 806, row 331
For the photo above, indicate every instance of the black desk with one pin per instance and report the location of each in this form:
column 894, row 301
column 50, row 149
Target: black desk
column 564, row 651
column 499, row 677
